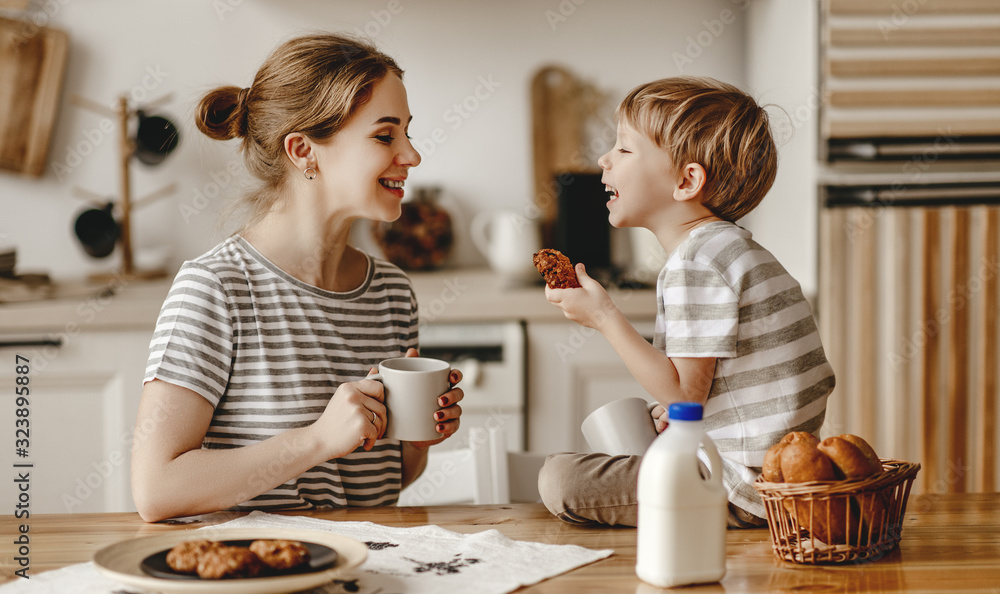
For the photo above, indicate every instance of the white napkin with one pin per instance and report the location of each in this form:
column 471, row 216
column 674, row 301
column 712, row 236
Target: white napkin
column 413, row 560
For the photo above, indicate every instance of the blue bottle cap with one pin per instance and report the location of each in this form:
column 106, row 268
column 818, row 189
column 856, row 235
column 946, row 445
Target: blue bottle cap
column 685, row 411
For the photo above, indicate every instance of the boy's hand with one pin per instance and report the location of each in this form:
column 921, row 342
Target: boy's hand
column 660, row 417
column 589, row 305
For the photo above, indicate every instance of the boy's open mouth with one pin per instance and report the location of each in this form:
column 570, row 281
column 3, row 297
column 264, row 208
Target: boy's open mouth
column 612, row 193
column 392, row 184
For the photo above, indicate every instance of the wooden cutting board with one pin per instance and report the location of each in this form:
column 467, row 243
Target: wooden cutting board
column 557, row 132
column 561, row 105
column 32, row 62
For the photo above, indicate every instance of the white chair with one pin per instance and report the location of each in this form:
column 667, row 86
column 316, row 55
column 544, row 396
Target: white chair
column 482, row 473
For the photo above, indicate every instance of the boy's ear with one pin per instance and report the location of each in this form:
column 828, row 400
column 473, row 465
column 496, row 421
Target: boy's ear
column 298, row 148
column 690, row 182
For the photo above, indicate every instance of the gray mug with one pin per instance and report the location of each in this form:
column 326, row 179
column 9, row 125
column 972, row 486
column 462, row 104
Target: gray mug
column 412, row 388
column 621, row 428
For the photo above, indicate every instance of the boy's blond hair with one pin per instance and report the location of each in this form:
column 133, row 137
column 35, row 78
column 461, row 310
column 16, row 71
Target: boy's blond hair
column 701, row 120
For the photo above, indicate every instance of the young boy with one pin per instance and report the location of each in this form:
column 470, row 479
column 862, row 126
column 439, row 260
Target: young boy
column 733, row 330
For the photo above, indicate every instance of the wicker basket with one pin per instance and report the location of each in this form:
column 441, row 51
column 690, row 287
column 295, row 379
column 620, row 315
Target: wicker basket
column 838, row 521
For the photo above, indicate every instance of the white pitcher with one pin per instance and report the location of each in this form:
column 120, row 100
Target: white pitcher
column 508, row 240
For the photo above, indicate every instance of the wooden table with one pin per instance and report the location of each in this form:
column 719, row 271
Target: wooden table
column 950, row 543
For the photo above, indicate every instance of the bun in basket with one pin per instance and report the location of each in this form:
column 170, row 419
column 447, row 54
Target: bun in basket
column 848, row 460
column 772, row 459
column 800, row 457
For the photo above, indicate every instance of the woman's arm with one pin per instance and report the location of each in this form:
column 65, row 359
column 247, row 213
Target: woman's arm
column 414, row 462
column 173, row 476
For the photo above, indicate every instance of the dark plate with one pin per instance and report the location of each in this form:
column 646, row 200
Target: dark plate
column 320, row 558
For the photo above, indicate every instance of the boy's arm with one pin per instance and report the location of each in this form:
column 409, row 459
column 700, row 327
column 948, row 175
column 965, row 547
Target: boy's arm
column 668, row 380
column 665, row 379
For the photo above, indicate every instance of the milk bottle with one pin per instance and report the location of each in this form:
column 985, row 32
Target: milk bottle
column 682, row 516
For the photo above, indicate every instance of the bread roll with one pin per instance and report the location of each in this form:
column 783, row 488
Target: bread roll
column 800, row 436
column 865, row 448
column 848, row 460
column 838, row 519
column 874, row 509
column 801, row 462
column 771, row 470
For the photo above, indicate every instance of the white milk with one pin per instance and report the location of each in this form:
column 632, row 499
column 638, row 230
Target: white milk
column 682, row 517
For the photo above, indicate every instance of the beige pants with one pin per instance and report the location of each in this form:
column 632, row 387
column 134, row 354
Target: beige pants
column 597, row 488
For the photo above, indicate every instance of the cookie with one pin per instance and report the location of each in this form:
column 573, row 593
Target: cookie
column 280, row 554
column 184, row 557
column 556, row 269
column 228, row 562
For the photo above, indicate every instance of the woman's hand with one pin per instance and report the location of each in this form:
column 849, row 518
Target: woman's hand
column 588, row 305
column 447, row 418
column 355, row 416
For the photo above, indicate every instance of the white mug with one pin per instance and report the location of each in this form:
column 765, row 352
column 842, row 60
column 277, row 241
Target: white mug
column 412, row 387
column 621, row 428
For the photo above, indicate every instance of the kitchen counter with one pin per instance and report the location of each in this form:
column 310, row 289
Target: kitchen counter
column 949, row 543
column 460, row 295
column 450, row 295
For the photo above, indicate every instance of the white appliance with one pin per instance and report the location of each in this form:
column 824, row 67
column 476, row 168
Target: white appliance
column 492, row 359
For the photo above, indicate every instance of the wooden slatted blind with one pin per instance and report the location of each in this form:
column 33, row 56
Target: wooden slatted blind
column 898, row 68
column 915, row 341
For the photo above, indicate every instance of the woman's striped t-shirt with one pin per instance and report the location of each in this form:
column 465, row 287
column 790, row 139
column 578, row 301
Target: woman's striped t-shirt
column 722, row 295
column 268, row 351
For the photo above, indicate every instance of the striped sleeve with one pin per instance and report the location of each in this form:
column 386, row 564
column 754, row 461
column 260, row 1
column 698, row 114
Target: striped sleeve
column 192, row 345
column 414, row 339
column 698, row 313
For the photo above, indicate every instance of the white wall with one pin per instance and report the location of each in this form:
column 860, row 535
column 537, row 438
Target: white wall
column 781, row 68
column 447, row 49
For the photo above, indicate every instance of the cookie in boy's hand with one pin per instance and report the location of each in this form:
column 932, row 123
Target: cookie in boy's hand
column 555, row 268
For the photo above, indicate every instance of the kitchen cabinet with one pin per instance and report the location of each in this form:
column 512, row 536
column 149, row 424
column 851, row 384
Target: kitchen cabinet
column 83, row 397
column 572, row 370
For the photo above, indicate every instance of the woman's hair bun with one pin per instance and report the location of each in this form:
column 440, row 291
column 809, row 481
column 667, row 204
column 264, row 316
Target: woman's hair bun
column 222, row 113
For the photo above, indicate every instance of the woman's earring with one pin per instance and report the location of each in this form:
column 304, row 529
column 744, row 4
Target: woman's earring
column 310, row 173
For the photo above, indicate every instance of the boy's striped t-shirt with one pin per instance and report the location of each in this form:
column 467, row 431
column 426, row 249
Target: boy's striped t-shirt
column 268, row 352
column 722, row 295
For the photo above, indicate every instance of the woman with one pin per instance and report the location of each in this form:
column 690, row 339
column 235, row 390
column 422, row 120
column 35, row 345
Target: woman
column 254, row 394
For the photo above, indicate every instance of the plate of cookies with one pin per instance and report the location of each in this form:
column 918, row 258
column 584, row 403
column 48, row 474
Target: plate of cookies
column 244, row 560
